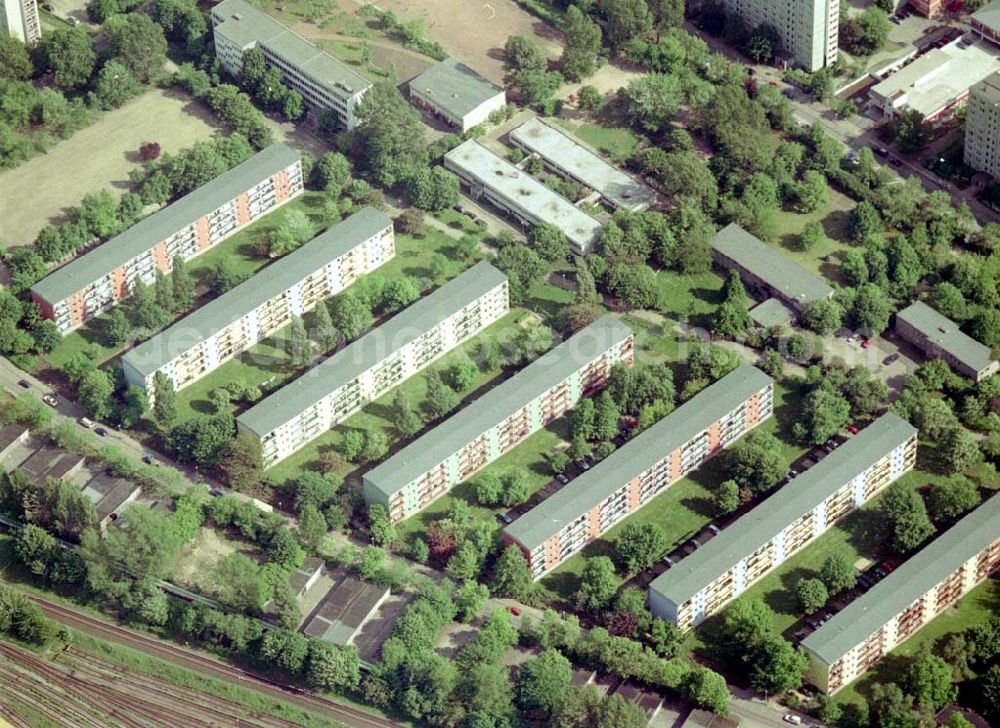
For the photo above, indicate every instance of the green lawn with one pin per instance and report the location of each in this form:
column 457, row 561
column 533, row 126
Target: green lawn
column 616, row 142
column 833, row 217
column 91, row 337
column 683, row 509
column 378, row 414
column 267, row 364
column 690, row 298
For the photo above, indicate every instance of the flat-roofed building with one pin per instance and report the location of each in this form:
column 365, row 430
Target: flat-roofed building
column 10, row 437
column 324, row 82
column 807, row 29
column 937, row 83
column 455, row 93
column 985, row 22
column 642, row 468
column 345, row 609
column 303, row 578
column 110, row 495
column 919, row 590
column 940, row 337
column 569, row 158
column 240, row 318
column 51, row 462
column 766, row 269
column 515, row 192
column 19, row 18
column 702, row 583
column 502, row 418
column 368, row 368
column 105, row 276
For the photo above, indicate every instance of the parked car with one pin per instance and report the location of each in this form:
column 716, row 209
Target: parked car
column 853, row 429
column 101, row 432
column 889, row 568
column 216, row 492
column 51, row 400
column 891, row 358
column 516, row 611
column 148, row 458
column 49, row 7
column 668, row 561
column 793, row 719
column 714, row 529
column 86, row 422
column 24, row 383
column 504, row 518
column 895, row 161
column 867, row 343
column 583, row 464
column 562, row 478
column 459, row 209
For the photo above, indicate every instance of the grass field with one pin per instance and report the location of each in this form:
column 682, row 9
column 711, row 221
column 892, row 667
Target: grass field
column 96, row 157
column 693, row 299
column 238, row 249
column 614, row 141
column 833, row 216
column 683, row 509
column 267, row 364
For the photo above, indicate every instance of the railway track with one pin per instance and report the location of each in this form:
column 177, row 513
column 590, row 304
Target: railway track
column 207, row 665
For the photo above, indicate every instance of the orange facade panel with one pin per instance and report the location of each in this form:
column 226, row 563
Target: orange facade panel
column 202, row 234
column 242, row 209
column 634, row 499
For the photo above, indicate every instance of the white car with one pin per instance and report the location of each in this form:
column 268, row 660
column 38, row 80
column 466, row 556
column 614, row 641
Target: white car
column 793, row 719
column 86, row 422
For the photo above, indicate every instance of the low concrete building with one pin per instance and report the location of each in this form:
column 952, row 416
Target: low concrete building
column 109, row 496
column 10, row 437
column 985, row 22
column 569, row 158
column 644, row 699
column 51, row 462
column 940, row 337
column 303, row 578
column 489, row 177
column 455, row 93
column 345, row 609
column 772, row 313
column 766, row 269
column 937, row 83
column 919, row 590
column 745, row 552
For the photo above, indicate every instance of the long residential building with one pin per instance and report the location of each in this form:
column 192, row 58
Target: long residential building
column 569, row 158
column 919, row 590
column 515, row 192
column 105, row 276
column 938, row 336
column 324, row 82
column 643, row 468
column 378, row 361
column 240, row 318
column 19, row 18
column 982, row 125
column 500, row 419
column 704, row 582
column 766, row 269
column 807, row 29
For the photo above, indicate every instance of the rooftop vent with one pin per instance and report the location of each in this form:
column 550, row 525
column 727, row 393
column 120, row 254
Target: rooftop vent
column 237, row 16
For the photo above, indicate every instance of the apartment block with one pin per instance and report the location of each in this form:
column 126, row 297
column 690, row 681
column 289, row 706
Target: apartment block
column 569, row 158
column 489, row 177
column 19, row 18
column 324, row 82
column 939, row 337
column 105, row 276
column 240, row 318
column 499, row 420
column 985, row 23
column 928, row 8
column 766, row 269
column 897, row 607
column 703, row 583
column 368, row 368
column 643, row 468
column 807, row 29
column 982, row 126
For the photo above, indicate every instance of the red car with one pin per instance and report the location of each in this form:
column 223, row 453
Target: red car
column 867, row 343
column 516, row 611
column 888, row 567
column 853, row 429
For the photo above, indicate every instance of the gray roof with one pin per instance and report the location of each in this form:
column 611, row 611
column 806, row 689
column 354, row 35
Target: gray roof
column 772, row 312
column 914, row 578
column 108, row 493
column 301, row 576
column 525, row 191
column 946, row 334
column 769, row 265
column 246, row 25
column 989, row 88
column 11, row 434
column 496, row 405
column 988, row 15
column 375, row 346
column 636, row 456
column 141, row 237
column 274, row 280
column 50, row 462
column 345, row 608
column 693, row 573
column 454, row 87
column 567, row 153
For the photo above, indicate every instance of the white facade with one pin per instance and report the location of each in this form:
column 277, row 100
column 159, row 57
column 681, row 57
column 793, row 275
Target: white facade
column 807, row 29
column 982, row 127
column 19, row 18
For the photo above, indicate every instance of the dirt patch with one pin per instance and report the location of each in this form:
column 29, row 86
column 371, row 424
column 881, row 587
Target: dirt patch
column 100, row 156
column 475, row 32
column 198, row 559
